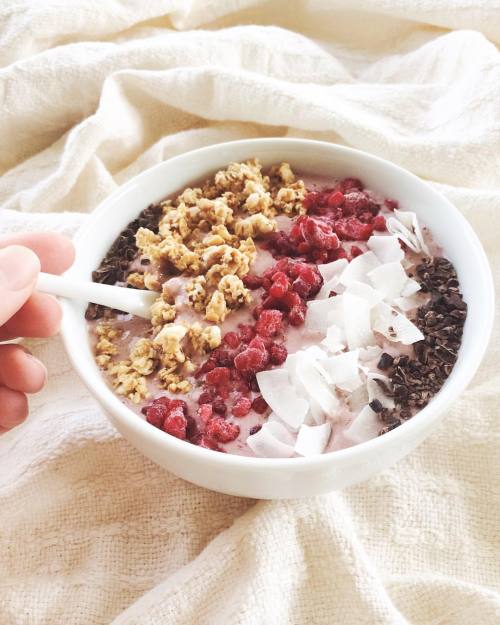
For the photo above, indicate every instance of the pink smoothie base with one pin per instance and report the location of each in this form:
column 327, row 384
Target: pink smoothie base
column 296, row 338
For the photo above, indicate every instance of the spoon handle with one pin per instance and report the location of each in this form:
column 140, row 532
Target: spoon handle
column 132, row 301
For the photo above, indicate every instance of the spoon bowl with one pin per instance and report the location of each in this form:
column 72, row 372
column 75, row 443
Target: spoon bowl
column 128, row 300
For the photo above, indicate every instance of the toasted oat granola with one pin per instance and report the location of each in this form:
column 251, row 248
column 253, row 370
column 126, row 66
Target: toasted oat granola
column 205, row 234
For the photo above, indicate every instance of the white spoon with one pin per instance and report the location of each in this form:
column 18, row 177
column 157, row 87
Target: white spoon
column 132, row 301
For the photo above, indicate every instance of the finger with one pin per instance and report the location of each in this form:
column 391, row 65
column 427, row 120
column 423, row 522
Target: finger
column 55, row 251
column 19, row 268
column 13, row 408
column 20, row 371
column 39, row 317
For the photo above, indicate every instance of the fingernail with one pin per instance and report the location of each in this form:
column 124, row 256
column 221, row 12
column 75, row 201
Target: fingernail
column 19, row 268
column 39, row 364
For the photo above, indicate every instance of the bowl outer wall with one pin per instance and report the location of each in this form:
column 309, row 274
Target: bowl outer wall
column 296, row 477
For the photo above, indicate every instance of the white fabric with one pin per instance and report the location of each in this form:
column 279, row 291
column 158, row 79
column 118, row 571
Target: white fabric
column 94, row 91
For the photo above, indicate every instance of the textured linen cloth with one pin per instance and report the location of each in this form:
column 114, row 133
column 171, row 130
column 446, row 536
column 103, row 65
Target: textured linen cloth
column 95, row 91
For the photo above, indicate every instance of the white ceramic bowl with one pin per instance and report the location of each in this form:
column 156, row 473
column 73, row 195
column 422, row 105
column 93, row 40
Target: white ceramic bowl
column 294, row 477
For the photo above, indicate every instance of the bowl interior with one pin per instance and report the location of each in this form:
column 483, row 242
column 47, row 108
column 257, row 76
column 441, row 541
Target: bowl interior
column 450, row 230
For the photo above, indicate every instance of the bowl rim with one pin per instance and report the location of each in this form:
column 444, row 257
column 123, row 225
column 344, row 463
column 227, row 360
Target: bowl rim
column 461, row 374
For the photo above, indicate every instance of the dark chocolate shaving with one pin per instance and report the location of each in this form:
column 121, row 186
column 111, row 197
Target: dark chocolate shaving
column 114, row 267
column 416, row 380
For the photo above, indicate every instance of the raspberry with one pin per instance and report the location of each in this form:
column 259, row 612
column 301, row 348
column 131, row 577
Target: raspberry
column 242, row 386
column 178, row 403
column 356, row 251
column 278, row 353
column 278, row 242
column 259, row 404
column 354, row 202
column 207, row 366
column 224, row 357
column 191, row 428
column 219, row 375
column 272, row 302
column 309, row 281
column 220, row 430
column 391, row 204
column 258, row 343
column 156, row 415
column 251, row 360
column 312, row 200
column 301, row 287
column 335, row 199
column 340, row 253
column 269, row 323
column 162, row 401
column 303, row 248
column 319, row 235
column 320, row 256
column 219, row 407
column 379, row 223
column 295, row 233
column 204, row 412
column 205, row 397
column 352, row 229
column 284, row 265
column 280, row 285
column 292, row 299
column 175, row 423
column 366, row 217
column 297, row 315
column 246, row 332
column 223, row 391
column 257, row 311
column 252, row 282
column 241, row 407
column 352, row 183
column 232, row 339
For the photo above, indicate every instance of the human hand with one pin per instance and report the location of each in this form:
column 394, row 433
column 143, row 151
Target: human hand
column 24, row 313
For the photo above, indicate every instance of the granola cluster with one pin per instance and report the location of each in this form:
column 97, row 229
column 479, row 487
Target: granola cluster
column 206, row 235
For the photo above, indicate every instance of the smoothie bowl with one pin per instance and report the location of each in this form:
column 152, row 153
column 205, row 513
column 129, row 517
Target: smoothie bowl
column 318, row 308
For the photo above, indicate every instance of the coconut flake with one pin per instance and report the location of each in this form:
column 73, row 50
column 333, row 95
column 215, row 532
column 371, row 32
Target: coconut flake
column 364, row 427
column 316, row 415
column 312, row 440
column 376, row 392
column 357, row 269
column 332, row 270
column 350, row 385
column 331, row 275
column 365, row 291
column 357, row 321
column 314, row 351
column 278, row 392
column 371, row 352
column 389, row 279
column 358, row 398
column 319, row 312
column 407, row 303
column 411, row 287
column 267, row 443
column 342, row 367
column 316, row 386
column 387, row 249
column 404, row 224
column 334, row 340
column 328, row 287
column 394, row 325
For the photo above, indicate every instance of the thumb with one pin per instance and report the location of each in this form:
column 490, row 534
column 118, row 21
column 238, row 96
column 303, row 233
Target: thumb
column 19, row 268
